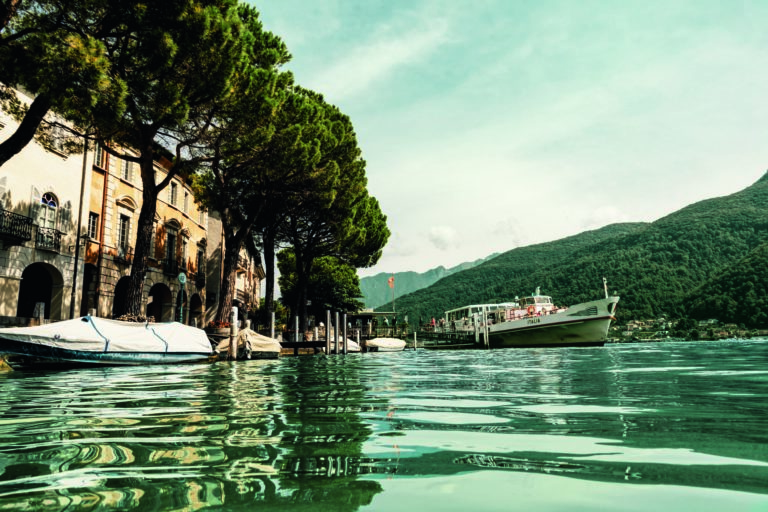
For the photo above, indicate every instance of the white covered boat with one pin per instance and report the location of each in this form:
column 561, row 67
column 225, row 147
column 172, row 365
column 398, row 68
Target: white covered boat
column 535, row 321
column 251, row 345
column 92, row 341
column 385, row 345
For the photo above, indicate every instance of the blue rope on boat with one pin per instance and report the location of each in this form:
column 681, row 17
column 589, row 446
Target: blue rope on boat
column 159, row 337
column 106, row 340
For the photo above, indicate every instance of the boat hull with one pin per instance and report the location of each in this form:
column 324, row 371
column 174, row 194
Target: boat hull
column 581, row 325
column 22, row 354
column 385, row 345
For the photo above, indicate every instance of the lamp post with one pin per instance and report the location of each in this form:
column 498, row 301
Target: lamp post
column 73, row 295
column 183, row 281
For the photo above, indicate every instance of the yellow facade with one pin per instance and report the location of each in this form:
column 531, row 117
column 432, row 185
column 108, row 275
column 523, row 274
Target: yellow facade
column 178, row 246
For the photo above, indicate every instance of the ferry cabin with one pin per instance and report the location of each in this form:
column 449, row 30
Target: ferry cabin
column 464, row 318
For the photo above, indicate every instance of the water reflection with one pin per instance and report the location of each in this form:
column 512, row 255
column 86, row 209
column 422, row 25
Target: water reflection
column 356, row 432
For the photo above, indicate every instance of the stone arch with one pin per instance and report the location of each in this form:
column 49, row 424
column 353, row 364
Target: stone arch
column 41, row 282
column 196, row 310
column 127, row 202
column 173, row 224
column 120, row 299
column 160, row 303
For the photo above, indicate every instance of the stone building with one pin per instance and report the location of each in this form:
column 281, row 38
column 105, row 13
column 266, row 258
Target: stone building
column 250, row 273
column 178, row 247
column 42, row 272
column 39, row 200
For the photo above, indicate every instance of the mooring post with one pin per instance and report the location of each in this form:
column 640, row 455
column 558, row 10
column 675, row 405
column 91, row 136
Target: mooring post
column 345, row 333
column 357, row 339
column 337, row 334
column 328, row 332
column 233, row 333
column 414, row 340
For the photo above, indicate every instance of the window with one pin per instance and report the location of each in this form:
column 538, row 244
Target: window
column 186, row 201
column 101, row 158
column 123, row 231
column 126, row 170
column 58, row 137
column 200, row 261
column 93, row 225
column 184, row 243
column 174, row 193
column 46, row 217
column 170, row 245
column 201, row 217
column 153, row 241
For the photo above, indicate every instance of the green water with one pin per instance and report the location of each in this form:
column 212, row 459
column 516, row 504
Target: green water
column 674, row 426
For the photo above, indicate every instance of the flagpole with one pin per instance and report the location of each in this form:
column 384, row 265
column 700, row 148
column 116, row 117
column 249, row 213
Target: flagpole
column 391, row 282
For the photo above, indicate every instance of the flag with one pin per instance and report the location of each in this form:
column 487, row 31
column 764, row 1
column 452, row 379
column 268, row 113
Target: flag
column 391, row 281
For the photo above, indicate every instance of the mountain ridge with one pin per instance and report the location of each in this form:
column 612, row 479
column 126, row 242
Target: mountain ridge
column 655, row 266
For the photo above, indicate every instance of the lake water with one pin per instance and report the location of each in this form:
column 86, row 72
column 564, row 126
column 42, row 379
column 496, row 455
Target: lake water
column 672, row 426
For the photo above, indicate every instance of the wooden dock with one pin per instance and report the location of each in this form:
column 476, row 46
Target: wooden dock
column 444, row 340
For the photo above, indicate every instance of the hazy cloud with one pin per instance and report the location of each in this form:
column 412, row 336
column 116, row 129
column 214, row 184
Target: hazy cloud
column 375, row 59
column 443, row 237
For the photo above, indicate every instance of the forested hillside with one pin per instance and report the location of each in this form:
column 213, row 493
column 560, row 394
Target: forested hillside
column 658, row 268
column 376, row 291
column 738, row 295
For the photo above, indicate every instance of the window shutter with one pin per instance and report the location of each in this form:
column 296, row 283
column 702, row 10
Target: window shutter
column 3, row 186
column 66, row 218
column 34, row 205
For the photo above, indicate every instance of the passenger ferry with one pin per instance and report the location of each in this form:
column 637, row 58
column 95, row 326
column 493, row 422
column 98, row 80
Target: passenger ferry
column 535, row 321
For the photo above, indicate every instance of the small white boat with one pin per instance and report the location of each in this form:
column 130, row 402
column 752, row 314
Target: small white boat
column 385, row 345
column 251, row 345
column 92, row 341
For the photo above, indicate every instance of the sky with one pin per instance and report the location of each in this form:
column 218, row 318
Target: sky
column 488, row 125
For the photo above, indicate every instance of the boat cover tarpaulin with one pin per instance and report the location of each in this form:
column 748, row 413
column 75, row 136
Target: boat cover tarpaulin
column 248, row 342
column 92, row 334
column 386, row 344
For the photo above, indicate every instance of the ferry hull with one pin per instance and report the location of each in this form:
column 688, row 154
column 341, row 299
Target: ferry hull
column 581, row 325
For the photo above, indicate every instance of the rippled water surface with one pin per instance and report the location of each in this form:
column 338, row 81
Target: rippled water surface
column 675, row 426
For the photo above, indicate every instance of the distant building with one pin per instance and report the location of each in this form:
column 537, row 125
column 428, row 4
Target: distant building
column 249, row 273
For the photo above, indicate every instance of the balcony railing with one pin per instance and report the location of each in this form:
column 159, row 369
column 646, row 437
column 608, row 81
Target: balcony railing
column 48, row 239
column 14, row 226
column 171, row 267
column 124, row 254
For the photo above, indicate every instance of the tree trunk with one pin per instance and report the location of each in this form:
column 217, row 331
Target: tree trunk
column 26, row 130
column 269, row 271
column 232, row 243
column 303, row 269
column 144, row 234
